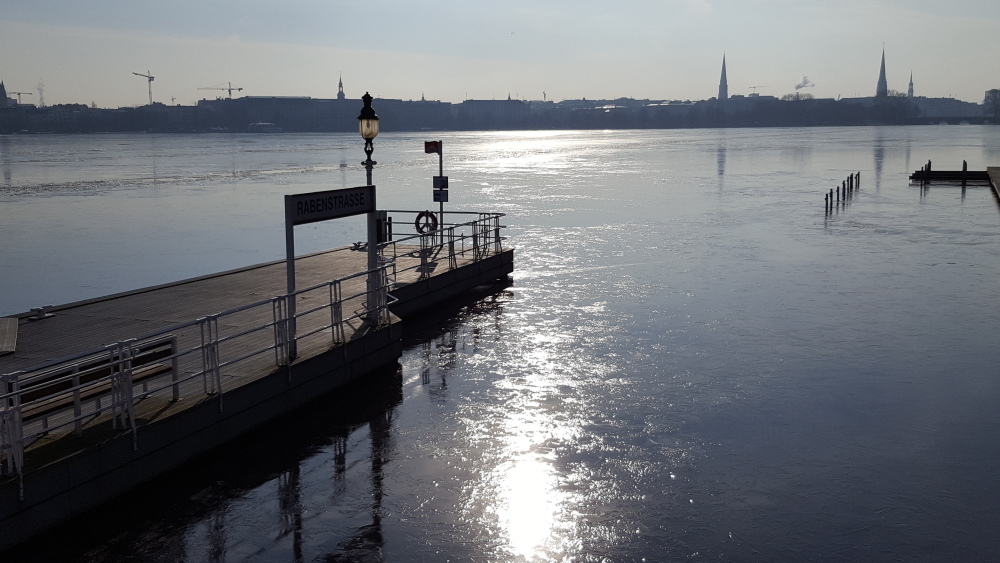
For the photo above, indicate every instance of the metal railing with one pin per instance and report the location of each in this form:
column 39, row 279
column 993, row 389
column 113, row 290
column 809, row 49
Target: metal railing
column 470, row 235
column 114, row 380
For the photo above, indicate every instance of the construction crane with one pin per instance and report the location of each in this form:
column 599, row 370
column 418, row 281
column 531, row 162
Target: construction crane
column 149, row 78
column 19, row 94
column 754, row 88
column 226, row 88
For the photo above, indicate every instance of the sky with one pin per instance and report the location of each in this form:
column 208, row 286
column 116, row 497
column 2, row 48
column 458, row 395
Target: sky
column 449, row 50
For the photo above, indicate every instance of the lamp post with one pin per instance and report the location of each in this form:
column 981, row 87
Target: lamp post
column 368, row 126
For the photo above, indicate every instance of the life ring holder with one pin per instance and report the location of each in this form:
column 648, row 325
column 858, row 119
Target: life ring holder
column 426, row 222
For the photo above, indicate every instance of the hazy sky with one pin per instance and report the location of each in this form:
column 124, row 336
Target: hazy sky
column 83, row 52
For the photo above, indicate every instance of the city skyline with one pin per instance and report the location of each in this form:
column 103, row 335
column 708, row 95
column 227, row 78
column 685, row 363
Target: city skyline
column 451, row 52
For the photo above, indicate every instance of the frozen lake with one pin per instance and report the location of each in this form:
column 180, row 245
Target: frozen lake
column 693, row 361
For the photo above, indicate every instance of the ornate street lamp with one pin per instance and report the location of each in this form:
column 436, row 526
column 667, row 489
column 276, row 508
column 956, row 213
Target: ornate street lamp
column 368, row 126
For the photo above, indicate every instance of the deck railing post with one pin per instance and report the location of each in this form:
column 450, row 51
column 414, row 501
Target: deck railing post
column 77, row 406
column 498, row 247
column 475, row 240
column 175, row 372
column 205, row 339
column 336, row 313
column 11, row 430
column 426, row 243
column 278, row 318
column 122, row 406
column 452, row 260
column 210, row 356
column 383, row 294
column 214, row 355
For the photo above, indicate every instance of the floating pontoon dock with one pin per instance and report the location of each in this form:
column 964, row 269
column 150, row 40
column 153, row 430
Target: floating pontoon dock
column 102, row 395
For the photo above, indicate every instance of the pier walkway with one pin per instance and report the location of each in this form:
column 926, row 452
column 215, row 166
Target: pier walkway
column 994, row 174
column 103, row 394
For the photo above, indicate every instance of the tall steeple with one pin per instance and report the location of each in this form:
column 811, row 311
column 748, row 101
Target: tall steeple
column 882, row 90
column 3, row 95
column 723, row 84
column 340, row 89
column 909, row 91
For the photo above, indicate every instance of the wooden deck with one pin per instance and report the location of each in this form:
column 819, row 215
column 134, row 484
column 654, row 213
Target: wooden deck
column 77, row 327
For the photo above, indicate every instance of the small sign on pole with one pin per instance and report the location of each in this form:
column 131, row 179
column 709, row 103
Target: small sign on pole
column 440, row 181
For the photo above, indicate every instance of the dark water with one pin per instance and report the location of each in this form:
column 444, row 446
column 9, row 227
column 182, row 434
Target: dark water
column 693, row 361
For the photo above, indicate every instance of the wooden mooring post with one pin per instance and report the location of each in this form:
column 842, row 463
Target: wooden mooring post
column 845, row 191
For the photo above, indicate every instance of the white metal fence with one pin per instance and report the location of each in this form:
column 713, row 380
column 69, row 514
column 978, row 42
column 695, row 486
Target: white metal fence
column 470, row 235
column 211, row 352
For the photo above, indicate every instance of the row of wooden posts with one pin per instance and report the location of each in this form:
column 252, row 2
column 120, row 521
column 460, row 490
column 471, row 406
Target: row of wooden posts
column 844, row 192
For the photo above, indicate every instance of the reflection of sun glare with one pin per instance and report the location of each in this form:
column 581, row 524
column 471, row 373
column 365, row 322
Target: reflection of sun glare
column 526, row 496
column 529, row 509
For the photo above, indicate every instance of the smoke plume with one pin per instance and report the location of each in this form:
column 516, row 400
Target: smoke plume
column 804, row 83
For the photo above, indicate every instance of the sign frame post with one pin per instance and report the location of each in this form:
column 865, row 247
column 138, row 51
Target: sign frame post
column 444, row 180
column 440, row 181
column 302, row 209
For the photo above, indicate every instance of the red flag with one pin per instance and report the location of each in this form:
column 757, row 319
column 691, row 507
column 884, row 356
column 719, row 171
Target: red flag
column 432, row 147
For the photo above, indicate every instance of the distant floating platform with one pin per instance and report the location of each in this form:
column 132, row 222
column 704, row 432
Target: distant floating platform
column 978, row 176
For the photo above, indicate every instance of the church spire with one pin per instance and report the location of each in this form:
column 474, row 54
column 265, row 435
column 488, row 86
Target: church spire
column 723, row 84
column 340, row 88
column 882, row 89
column 909, row 91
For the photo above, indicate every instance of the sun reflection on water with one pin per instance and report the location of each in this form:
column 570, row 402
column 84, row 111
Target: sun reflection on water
column 527, row 497
column 528, row 505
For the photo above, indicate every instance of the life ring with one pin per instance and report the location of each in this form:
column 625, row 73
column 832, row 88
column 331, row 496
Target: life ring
column 426, row 222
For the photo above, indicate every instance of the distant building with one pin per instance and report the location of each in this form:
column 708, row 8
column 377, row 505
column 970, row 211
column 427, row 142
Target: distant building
column 991, row 103
column 492, row 114
column 945, row 107
column 723, row 84
column 882, row 89
column 4, row 101
column 340, row 89
column 909, row 91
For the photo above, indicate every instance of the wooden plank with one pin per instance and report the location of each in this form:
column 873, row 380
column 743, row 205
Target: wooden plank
column 8, row 335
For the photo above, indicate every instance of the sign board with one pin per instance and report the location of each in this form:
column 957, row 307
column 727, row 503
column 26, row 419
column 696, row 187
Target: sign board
column 441, row 196
column 440, row 182
column 432, row 147
column 301, row 209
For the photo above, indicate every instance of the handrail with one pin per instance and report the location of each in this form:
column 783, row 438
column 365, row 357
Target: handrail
column 481, row 237
column 203, row 356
